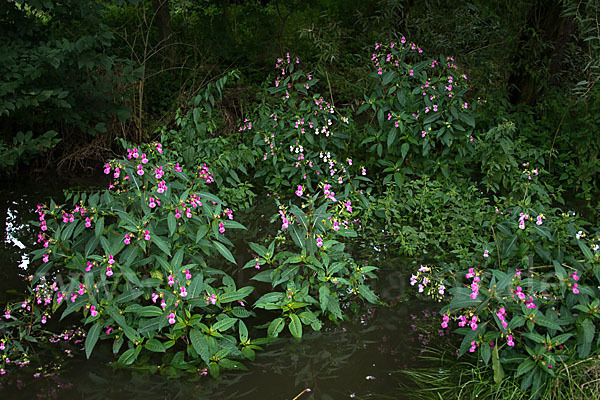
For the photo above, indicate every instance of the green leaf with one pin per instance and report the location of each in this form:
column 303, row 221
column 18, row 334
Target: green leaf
column 200, row 344
column 248, row 353
column 388, row 77
column 120, row 320
column 585, row 250
column 91, row 246
column 525, row 367
column 367, row 294
column 468, row 118
column 149, row 311
column 210, row 197
column 177, row 260
column 196, row 286
column 497, row 367
column 92, row 338
column 323, row 297
column 161, row 244
column 224, row 251
column 300, row 216
column 486, row 352
column 258, row 249
column 129, row 295
column 99, row 229
column 510, row 246
column 233, row 224
column 297, row 235
column 392, row 137
column 213, row 369
column 155, row 346
column 243, row 330
column 201, row 232
column 295, row 326
column 224, row 324
column 130, row 275
column 585, row 340
column 172, row 223
column 275, row 327
column 404, row 150
column 226, row 363
column 129, row 356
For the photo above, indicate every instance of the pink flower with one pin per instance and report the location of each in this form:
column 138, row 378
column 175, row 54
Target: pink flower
column 45, row 258
column 155, row 297
column 212, row 299
column 183, row 291
column 171, row 280
column 127, row 239
column 486, row 254
column 172, row 318
column 140, row 170
column 445, row 320
column 575, row 289
column 574, row 276
column 319, row 242
column 509, row 340
column 299, row 191
column 93, row 311
column 221, row 227
column 146, row 235
column 108, row 271
column 473, row 346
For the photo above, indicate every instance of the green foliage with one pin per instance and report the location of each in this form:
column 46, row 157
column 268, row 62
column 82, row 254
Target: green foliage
column 474, row 380
column 52, row 77
column 153, row 239
column 426, row 217
column 531, row 302
column 145, row 264
column 420, row 108
column 313, row 274
column 300, row 135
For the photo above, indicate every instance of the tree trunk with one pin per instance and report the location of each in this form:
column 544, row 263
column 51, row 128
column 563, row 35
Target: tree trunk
column 162, row 20
column 555, row 31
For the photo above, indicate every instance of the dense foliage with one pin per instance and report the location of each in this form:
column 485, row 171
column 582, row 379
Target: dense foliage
column 468, row 146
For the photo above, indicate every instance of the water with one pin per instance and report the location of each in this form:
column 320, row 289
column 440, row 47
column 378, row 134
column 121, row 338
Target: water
column 358, row 359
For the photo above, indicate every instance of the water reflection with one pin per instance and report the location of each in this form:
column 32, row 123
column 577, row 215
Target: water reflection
column 355, row 360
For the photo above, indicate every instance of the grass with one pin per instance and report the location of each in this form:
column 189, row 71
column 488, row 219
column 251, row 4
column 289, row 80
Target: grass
column 465, row 380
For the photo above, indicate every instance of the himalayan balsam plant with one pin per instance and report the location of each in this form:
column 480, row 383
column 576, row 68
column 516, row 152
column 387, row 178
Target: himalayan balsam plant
column 420, row 106
column 320, row 279
column 138, row 257
column 532, row 304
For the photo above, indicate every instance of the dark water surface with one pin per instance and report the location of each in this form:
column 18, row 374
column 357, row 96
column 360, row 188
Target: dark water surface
column 358, row 359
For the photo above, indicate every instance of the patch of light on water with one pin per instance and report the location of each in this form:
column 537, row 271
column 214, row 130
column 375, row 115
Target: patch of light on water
column 12, row 230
